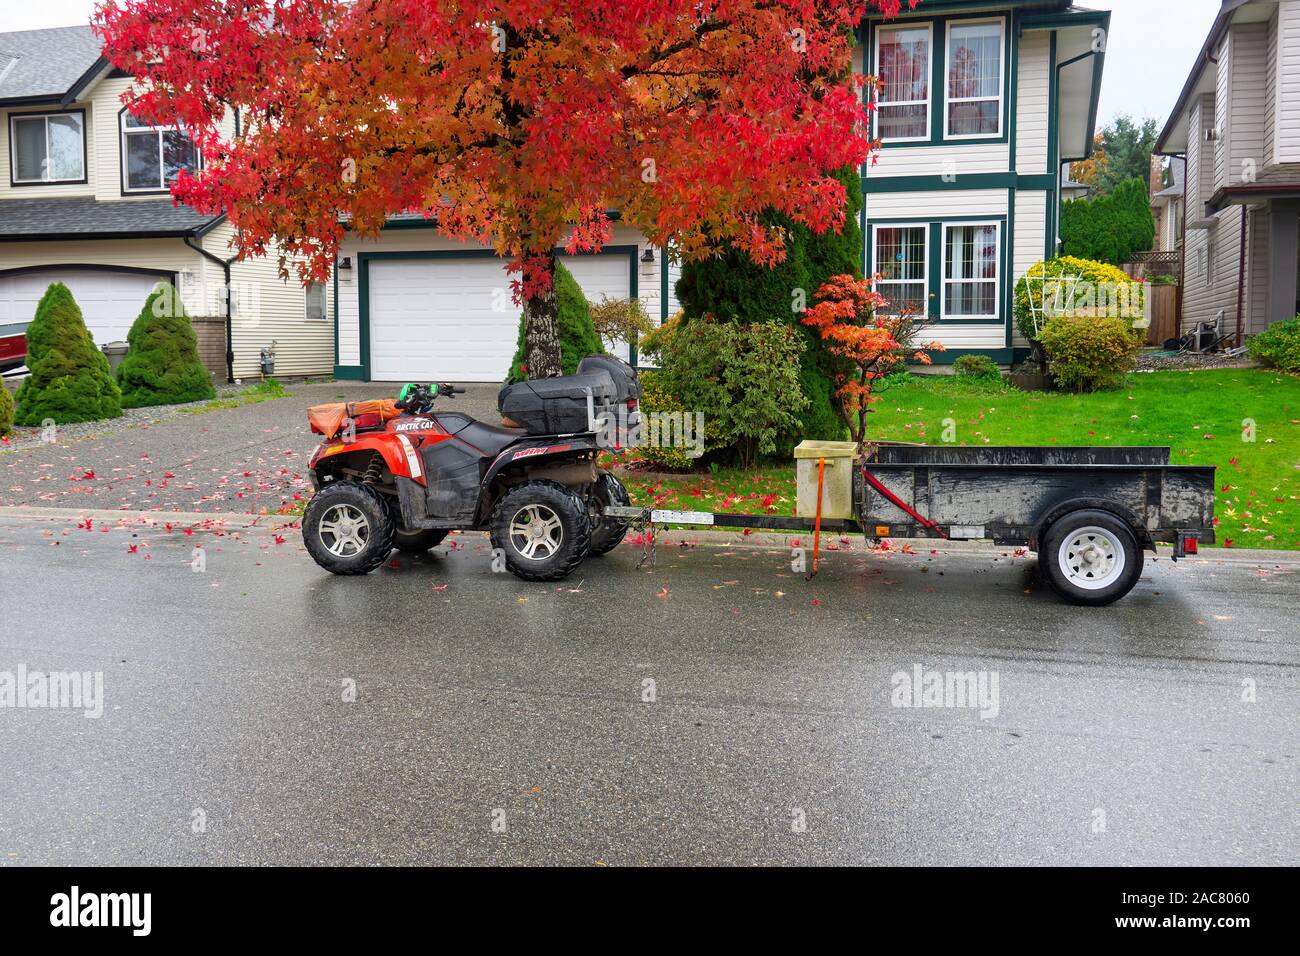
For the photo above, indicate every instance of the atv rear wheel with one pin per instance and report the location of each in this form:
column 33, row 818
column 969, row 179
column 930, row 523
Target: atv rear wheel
column 347, row 528
column 418, row 542
column 543, row 529
column 608, row 533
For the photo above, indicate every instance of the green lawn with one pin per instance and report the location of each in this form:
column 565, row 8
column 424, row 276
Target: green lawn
column 1201, row 416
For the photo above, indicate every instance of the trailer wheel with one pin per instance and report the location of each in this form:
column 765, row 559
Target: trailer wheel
column 608, row 533
column 1091, row 558
column 347, row 528
column 543, row 529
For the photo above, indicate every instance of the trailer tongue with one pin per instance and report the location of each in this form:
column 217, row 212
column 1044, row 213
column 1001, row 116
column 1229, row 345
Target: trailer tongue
column 1088, row 512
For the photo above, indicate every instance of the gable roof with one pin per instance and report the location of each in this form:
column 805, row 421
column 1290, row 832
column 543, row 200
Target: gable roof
column 48, row 66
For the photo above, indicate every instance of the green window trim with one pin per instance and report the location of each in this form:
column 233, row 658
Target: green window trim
column 934, row 262
column 938, row 91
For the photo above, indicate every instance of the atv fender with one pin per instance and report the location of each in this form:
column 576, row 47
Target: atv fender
column 398, row 452
column 538, row 452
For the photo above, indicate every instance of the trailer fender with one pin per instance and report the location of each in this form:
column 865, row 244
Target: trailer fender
column 1063, row 508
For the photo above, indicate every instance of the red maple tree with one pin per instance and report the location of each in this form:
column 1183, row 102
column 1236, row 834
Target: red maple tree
column 516, row 123
column 855, row 324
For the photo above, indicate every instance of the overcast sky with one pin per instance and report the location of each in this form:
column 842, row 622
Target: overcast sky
column 1152, row 45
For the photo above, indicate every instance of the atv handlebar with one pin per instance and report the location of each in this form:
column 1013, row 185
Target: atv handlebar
column 416, row 398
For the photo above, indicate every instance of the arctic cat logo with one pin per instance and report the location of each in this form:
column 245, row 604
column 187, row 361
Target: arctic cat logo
column 413, row 427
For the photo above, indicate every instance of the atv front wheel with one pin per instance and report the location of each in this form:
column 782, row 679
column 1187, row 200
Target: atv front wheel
column 608, row 533
column 347, row 528
column 543, row 530
column 418, row 542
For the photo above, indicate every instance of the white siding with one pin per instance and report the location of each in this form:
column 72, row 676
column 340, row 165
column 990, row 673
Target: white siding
column 1249, row 101
column 1032, row 112
column 1270, row 93
column 1222, row 116
column 267, row 309
column 952, row 161
column 882, row 207
column 1287, row 145
column 1031, row 238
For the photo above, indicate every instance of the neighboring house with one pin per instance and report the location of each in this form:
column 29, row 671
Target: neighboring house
column 1167, row 205
column 1237, row 125
column 86, row 202
column 1073, row 190
column 983, row 103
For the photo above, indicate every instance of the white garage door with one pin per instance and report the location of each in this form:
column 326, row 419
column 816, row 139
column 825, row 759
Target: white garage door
column 453, row 320
column 109, row 301
column 602, row 276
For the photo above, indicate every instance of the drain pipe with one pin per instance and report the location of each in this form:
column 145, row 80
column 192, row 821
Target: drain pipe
column 230, row 339
column 1241, row 278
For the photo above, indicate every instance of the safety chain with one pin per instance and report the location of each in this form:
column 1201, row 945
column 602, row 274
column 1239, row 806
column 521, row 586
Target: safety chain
column 644, row 524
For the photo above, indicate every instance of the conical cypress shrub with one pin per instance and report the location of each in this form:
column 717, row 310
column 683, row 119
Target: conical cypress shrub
column 162, row 365
column 6, row 411
column 70, row 379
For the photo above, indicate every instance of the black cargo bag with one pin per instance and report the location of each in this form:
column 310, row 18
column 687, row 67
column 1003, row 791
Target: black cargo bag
column 627, row 383
column 557, row 406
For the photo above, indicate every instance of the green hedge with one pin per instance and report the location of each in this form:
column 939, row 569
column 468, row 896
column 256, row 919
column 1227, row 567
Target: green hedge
column 162, row 365
column 70, row 379
column 732, row 288
column 1109, row 228
column 6, row 410
column 1089, row 354
column 578, row 337
column 1278, row 345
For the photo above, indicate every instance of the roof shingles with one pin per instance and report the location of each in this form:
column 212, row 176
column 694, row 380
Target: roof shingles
column 45, row 64
column 92, row 218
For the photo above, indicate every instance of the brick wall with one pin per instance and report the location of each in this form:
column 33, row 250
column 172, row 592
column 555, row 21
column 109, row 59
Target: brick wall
column 211, row 333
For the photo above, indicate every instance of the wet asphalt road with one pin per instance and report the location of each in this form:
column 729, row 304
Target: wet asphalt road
column 1121, row 735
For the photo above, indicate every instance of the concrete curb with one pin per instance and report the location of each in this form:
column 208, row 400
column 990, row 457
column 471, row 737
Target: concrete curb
column 226, row 522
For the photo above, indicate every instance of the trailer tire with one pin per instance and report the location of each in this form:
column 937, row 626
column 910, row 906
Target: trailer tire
column 608, row 533
column 347, row 528
column 1091, row 558
column 543, row 530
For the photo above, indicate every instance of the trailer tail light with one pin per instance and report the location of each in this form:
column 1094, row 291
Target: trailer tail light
column 631, row 404
column 1190, row 541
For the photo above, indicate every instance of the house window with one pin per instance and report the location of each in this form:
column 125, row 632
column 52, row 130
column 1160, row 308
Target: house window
column 900, row 263
column 316, row 301
column 153, row 156
column 48, row 149
column 975, row 63
column 970, row 271
column 903, row 66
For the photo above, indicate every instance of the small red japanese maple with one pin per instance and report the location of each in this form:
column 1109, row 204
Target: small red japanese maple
column 517, row 123
column 850, row 316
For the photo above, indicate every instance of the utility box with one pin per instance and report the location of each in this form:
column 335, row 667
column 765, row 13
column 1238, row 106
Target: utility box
column 837, row 486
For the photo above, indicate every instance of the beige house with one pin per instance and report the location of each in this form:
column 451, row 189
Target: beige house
column 1237, row 126
column 85, row 202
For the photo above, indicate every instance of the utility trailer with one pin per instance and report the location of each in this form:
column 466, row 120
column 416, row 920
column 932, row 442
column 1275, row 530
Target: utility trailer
column 1089, row 513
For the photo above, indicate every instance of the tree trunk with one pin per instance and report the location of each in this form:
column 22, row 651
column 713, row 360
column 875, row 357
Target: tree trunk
column 542, row 327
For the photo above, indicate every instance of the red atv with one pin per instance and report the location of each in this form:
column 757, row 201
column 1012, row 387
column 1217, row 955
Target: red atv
column 398, row 474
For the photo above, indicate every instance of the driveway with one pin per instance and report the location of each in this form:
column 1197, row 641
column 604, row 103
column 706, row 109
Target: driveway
column 246, row 459
column 712, row 709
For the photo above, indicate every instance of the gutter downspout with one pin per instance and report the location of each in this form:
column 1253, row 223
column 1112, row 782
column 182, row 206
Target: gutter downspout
column 1241, row 275
column 230, row 339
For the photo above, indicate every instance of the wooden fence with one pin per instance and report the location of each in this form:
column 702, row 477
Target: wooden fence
column 1164, row 313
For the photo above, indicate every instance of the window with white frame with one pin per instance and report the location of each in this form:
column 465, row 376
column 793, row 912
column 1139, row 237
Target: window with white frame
column 900, row 267
column 153, row 156
column 903, row 67
column 970, row 270
column 315, row 301
column 48, row 148
column 975, row 81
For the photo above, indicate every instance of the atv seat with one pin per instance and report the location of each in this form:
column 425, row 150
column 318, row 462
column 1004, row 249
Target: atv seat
column 489, row 439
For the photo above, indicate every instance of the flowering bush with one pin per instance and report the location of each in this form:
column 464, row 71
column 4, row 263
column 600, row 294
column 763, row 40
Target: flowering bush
column 1069, row 286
